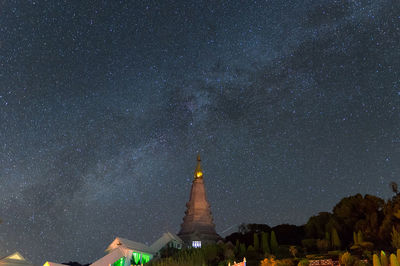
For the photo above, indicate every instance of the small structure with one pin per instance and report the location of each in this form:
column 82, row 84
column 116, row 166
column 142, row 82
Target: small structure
column 124, row 252
column 198, row 228
column 15, row 259
column 168, row 240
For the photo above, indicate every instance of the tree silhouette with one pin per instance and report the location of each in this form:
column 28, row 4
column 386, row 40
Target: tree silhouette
column 256, row 242
column 394, row 187
column 264, row 243
column 335, row 239
column 274, row 243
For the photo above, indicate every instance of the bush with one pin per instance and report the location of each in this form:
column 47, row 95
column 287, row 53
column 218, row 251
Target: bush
column 334, row 253
column 285, row 262
column 384, row 259
column 360, row 263
column 315, row 257
column 375, row 260
column 283, row 252
column 268, row 262
column 393, row 260
column 346, row 259
column 303, row 262
column 310, row 244
column 367, row 245
column 322, row 244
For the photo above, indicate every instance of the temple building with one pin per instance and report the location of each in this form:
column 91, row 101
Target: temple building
column 198, row 228
column 125, row 252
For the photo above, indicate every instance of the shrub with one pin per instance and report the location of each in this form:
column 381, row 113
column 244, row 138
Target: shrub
column 268, row 262
column 322, row 244
column 303, row 262
column 309, row 244
column 393, row 260
column 346, row 259
column 285, row 262
column 376, row 261
column 384, row 259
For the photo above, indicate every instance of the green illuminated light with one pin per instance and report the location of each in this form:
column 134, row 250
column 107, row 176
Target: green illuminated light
column 120, row 262
column 145, row 258
column 136, row 258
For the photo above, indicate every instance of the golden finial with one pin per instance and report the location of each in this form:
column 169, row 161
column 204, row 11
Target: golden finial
column 198, row 173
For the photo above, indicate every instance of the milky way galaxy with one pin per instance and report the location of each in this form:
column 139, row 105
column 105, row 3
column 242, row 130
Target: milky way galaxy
column 104, row 106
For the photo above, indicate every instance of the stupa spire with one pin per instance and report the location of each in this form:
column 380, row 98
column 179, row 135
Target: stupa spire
column 198, row 173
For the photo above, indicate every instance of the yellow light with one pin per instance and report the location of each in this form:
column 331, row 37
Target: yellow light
column 46, row 264
column 199, row 174
column 16, row 256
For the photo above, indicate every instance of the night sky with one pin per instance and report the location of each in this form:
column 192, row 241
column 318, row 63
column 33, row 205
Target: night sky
column 104, row 106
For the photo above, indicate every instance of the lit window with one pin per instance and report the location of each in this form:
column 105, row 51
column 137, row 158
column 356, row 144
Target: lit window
column 196, row 244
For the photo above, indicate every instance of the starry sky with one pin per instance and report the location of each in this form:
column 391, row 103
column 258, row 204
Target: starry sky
column 104, row 106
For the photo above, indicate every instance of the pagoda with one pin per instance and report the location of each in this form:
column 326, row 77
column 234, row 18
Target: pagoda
column 198, row 228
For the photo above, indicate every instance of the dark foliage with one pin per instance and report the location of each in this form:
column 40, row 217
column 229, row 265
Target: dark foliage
column 288, row 234
column 246, row 233
column 369, row 216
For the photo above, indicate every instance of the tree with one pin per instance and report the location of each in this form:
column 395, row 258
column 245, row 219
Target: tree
column 394, row 187
column 355, row 238
column 274, row 243
column 237, row 246
column 289, row 234
column 318, row 225
column 264, row 243
column 243, row 228
column 256, row 242
column 328, row 236
column 398, row 255
column 242, row 250
column 322, row 244
column 258, row 228
column 210, row 253
column 251, row 253
column 384, row 259
column 293, row 251
column 229, row 253
column 358, row 213
column 335, row 239
column 395, row 238
column 376, row 261
column 391, row 218
column 360, row 237
column 309, row 244
column 393, row 260
column 346, row 259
